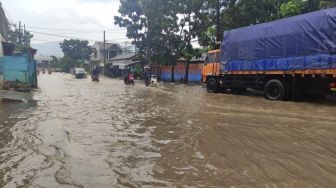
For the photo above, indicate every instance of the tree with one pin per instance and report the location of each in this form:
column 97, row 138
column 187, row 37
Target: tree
column 132, row 17
column 292, row 8
column 55, row 62
column 75, row 53
column 153, row 26
column 327, row 3
column 19, row 37
column 76, row 49
column 164, row 30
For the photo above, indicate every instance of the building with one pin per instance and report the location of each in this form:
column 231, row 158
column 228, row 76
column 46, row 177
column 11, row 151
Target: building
column 111, row 50
column 43, row 61
column 97, row 56
column 4, row 27
column 3, row 39
column 17, row 65
column 120, row 63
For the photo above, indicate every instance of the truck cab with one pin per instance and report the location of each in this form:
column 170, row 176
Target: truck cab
column 212, row 66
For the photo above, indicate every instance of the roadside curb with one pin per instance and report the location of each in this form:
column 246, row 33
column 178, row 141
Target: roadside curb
column 9, row 100
column 15, row 97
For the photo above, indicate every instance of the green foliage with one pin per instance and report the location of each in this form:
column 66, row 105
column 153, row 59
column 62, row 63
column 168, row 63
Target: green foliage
column 292, row 8
column 76, row 49
column 327, row 3
column 17, row 85
column 55, row 62
column 66, row 63
column 295, row 7
column 15, row 35
column 156, row 29
column 75, row 53
column 21, row 39
column 163, row 30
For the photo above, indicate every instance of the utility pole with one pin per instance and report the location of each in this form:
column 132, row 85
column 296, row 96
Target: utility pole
column 104, row 47
column 149, row 43
column 104, row 51
column 278, row 9
column 25, row 39
column 20, row 36
column 218, row 21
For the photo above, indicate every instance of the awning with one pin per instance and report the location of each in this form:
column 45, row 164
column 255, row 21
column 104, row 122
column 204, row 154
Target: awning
column 122, row 64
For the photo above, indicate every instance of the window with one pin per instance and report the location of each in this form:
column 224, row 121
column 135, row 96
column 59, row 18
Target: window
column 211, row 58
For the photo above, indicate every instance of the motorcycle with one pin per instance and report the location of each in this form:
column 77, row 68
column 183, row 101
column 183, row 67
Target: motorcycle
column 152, row 81
column 95, row 78
column 147, row 82
column 129, row 79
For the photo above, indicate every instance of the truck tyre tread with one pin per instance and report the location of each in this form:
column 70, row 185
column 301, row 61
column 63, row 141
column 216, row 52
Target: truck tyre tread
column 275, row 90
column 212, row 85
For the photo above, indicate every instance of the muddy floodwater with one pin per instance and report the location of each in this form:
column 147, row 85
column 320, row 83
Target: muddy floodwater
column 84, row 134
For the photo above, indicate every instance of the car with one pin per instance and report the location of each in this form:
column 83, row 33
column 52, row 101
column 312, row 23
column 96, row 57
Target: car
column 80, row 73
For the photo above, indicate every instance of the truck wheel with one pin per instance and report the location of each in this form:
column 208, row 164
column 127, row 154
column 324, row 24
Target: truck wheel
column 275, row 90
column 212, row 85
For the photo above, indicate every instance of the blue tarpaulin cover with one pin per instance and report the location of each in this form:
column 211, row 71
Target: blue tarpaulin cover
column 306, row 41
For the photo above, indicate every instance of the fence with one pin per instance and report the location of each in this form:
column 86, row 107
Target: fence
column 18, row 67
column 194, row 72
column 1, row 75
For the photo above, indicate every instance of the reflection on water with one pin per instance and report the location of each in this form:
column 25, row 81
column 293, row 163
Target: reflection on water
column 10, row 114
column 84, row 134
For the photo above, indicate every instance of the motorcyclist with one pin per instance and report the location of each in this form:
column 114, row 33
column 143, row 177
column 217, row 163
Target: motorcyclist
column 147, row 75
column 96, row 72
column 129, row 77
column 126, row 76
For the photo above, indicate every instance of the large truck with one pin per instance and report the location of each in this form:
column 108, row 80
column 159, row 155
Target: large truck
column 285, row 59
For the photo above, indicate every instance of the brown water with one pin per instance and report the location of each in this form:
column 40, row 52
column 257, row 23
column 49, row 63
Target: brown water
column 84, row 134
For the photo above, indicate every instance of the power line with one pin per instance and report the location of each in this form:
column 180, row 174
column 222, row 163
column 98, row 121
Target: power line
column 43, row 40
column 69, row 37
column 78, row 31
column 55, row 35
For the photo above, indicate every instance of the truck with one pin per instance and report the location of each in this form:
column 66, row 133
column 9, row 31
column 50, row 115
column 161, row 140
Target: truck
column 286, row 59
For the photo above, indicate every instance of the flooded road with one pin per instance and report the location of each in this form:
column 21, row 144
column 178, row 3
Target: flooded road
column 84, row 134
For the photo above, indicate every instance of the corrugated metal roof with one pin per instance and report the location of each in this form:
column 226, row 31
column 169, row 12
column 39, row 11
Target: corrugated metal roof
column 202, row 58
column 107, row 45
column 195, row 59
column 124, row 56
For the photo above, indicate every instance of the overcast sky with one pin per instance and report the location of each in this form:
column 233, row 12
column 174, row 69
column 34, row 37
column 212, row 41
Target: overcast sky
column 84, row 19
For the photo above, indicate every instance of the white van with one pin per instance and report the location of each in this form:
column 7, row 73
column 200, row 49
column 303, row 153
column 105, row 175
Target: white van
column 80, row 73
